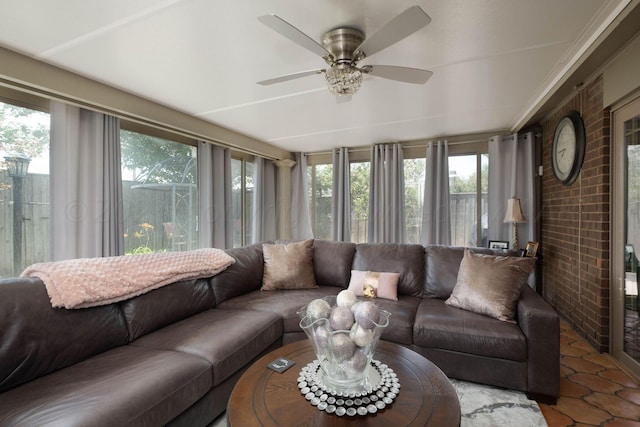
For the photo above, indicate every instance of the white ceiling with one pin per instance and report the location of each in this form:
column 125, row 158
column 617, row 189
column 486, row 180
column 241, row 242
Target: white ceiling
column 493, row 61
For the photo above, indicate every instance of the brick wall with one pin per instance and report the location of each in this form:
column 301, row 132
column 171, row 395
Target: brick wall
column 575, row 224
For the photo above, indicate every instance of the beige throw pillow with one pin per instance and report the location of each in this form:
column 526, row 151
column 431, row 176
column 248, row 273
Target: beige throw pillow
column 490, row 285
column 288, row 266
column 373, row 284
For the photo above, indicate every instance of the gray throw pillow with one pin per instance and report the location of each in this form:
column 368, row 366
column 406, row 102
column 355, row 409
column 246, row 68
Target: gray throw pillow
column 490, row 285
column 288, row 266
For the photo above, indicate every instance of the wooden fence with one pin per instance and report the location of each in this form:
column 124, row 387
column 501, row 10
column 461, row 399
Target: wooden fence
column 168, row 209
column 170, row 212
column 462, row 208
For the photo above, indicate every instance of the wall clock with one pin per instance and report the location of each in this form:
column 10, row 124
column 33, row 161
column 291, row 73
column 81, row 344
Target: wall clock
column 567, row 153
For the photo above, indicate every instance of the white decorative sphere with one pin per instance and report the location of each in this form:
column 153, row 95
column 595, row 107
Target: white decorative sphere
column 341, row 318
column 318, row 309
column 354, row 307
column 343, row 347
column 360, row 336
column 367, row 314
column 346, row 298
column 322, row 336
column 358, row 361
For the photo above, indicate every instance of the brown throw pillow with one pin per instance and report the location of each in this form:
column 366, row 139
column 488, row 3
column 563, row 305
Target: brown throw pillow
column 373, row 284
column 288, row 266
column 490, row 285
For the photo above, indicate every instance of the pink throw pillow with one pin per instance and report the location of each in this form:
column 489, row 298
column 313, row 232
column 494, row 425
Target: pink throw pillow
column 374, row 284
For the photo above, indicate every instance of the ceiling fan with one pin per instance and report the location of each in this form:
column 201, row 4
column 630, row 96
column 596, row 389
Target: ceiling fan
column 343, row 47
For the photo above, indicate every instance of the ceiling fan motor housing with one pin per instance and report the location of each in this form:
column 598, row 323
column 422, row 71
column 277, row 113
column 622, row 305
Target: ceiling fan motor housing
column 342, row 43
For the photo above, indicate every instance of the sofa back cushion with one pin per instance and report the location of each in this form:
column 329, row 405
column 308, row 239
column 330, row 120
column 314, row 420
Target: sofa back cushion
column 168, row 304
column 332, row 262
column 36, row 339
column 443, row 263
column 244, row 276
column 406, row 259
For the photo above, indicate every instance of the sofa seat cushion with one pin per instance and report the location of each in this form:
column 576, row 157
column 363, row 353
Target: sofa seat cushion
column 283, row 303
column 441, row 326
column 125, row 386
column 227, row 339
column 403, row 313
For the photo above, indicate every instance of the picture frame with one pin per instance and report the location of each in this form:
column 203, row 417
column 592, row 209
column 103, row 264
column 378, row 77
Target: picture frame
column 499, row 244
column 531, row 250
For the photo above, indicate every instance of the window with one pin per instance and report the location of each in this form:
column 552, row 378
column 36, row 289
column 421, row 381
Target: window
column 24, row 192
column 360, row 172
column 414, row 174
column 242, row 199
column 160, row 195
column 468, row 185
column 320, row 189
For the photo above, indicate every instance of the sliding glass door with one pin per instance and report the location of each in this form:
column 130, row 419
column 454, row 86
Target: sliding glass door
column 625, row 241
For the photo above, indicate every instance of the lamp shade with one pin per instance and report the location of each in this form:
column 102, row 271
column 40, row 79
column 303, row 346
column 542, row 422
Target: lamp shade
column 514, row 211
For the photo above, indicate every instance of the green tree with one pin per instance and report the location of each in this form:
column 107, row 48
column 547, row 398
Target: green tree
column 323, row 197
column 469, row 184
column 360, row 190
column 157, row 160
column 414, row 175
column 414, row 171
column 23, row 131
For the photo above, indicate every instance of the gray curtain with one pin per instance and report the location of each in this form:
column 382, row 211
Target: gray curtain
column 436, row 220
column 386, row 195
column 341, row 201
column 215, row 212
column 511, row 174
column 87, row 219
column 264, row 201
column 300, row 218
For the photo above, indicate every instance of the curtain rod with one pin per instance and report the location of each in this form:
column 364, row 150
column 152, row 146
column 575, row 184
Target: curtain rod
column 414, row 144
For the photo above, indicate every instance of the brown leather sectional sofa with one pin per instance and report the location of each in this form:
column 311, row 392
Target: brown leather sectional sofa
column 173, row 355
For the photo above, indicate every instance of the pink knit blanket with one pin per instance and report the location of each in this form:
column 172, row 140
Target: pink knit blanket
column 88, row 282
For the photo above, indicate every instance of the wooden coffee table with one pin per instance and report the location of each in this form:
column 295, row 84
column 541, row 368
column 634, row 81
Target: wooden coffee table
column 263, row 397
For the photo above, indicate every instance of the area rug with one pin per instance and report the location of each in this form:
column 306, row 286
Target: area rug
column 482, row 405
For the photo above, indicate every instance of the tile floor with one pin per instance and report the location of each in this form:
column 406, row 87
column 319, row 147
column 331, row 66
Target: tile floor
column 594, row 391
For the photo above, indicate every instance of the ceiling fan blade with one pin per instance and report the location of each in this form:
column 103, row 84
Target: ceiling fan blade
column 403, row 25
column 288, row 77
column 292, row 33
column 403, row 74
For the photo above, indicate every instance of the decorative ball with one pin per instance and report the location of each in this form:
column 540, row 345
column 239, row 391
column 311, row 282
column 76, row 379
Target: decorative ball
column 343, row 347
column 318, row 309
column 358, row 361
column 367, row 314
column 322, row 335
column 341, row 318
column 354, row 307
column 346, row 298
column 360, row 336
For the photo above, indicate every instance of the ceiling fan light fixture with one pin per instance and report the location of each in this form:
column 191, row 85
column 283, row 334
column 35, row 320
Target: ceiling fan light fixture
column 343, row 80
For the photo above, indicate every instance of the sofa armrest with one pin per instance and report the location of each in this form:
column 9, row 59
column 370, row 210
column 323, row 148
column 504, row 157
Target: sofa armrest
column 540, row 324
